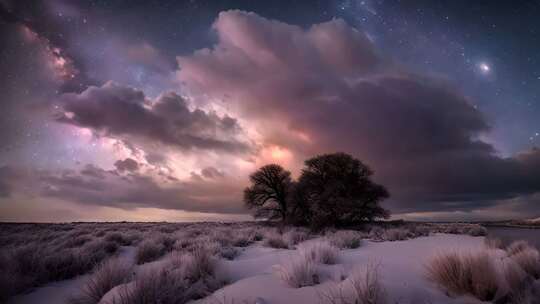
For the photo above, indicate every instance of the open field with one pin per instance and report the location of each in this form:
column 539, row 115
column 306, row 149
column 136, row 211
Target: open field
column 262, row 263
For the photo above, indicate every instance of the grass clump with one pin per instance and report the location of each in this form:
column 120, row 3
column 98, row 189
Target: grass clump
column 493, row 243
column 320, row 252
column 528, row 260
column 462, row 274
column 275, row 240
column 108, row 275
column 185, row 277
column 363, row 286
column 149, row 250
column 345, row 239
column 517, row 247
column 395, row 234
column 298, row 272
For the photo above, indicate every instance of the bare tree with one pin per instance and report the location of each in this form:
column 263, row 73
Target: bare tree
column 269, row 192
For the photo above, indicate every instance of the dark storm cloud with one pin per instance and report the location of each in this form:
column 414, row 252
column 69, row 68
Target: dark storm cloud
column 124, row 112
column 127, row 164
column 328, row 83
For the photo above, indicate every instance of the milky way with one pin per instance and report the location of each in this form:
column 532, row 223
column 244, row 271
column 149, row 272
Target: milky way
column 158, row 110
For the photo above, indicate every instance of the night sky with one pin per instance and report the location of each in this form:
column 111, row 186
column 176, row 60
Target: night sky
column 158, row 110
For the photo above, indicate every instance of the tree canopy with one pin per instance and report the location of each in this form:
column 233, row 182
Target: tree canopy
column 333, row 189
column 269, row 192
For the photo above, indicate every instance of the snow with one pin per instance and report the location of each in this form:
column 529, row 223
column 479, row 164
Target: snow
column 252, row 276
column 401, row 266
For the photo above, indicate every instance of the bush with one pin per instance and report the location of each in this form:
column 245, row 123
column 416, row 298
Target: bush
column 493, row 243
column 77, row 241
column 149, row 250
column 517, row 247
column 396, row 234
column 242, row 240
column 376, row 233
column 228, row 253
column 275, row 240
column 320, row 252
column 63, row 265
column 361, row 287
column 298, row 272
column 417, row 230
column 108, row 274
column 476, row 230
column 93, row 252
column 26, row 261
column 529, row 260
column 472, row 274
column 118, row 238
column 345, row 239
column 184, row 278
column 521, row 288
column 295, row 236
column 34, row 264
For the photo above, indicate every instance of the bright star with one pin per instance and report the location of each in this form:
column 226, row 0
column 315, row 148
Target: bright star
column 484, row 67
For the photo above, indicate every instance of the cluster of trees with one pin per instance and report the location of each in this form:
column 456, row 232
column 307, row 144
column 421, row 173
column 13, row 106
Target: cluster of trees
column 332, row 190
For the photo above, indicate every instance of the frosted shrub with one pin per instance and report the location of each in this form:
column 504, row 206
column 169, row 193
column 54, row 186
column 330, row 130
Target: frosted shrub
column 149, row 250
column 361, row 287
column 275, row 240
column 345, row 239
column 298, row 271
column 529, row 260
column 476, row 230
column 395, row 234
column 462, row 274
column 295, row 236
column 107, row 275
column 517, row 247
column 493, row 243
column 320, row 252
column 185, row 277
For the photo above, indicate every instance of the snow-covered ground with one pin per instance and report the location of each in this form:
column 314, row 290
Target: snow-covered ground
column 252, row 275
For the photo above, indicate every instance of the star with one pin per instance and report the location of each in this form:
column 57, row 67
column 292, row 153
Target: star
column 484, row 67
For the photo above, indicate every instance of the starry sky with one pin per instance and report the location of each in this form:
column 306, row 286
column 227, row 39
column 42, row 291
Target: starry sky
column 159, row 110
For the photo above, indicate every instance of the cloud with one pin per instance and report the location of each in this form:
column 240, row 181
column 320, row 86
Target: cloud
column 211, row 172
column 127, row 164
column 6, row 178
column 326, row 88
column 95, row 186
column 125, row 113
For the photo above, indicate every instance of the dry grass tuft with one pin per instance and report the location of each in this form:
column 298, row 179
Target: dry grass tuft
column 517, row 247
column 528, row 260
column 185, row 277
column 493, row 243
column 320, row 252
column 345, row 239
column 228, row 253
column 149, row 250
column 462, row 274
column 298, row 272
column 396, row 234
column 275, row 240
column 361, row 287
column 295, row 236
column 476, row 230
column 109, row 274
